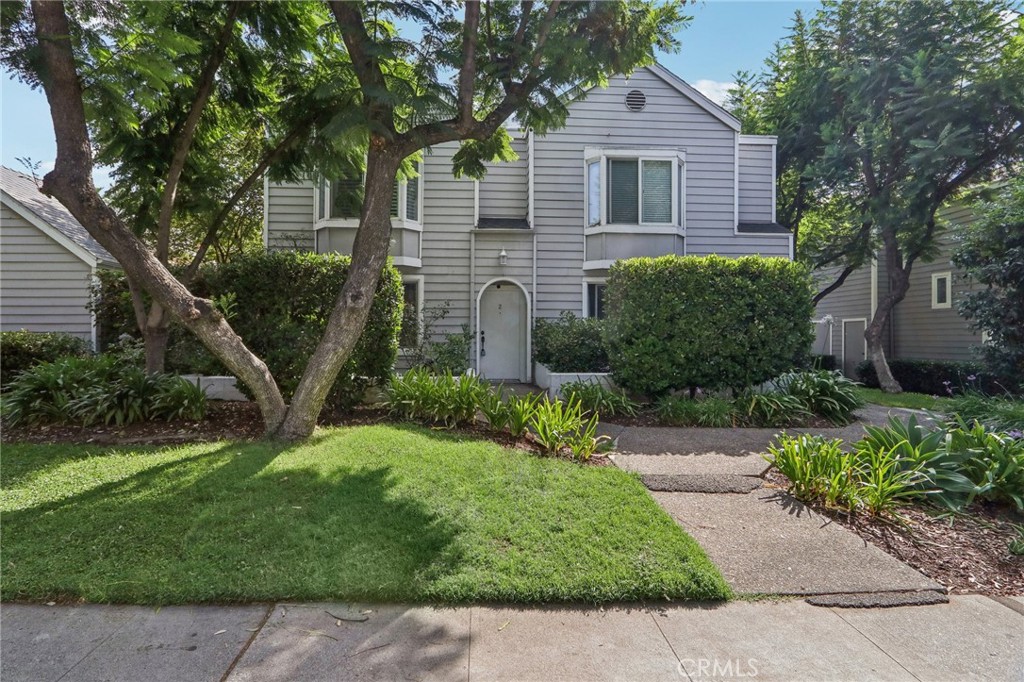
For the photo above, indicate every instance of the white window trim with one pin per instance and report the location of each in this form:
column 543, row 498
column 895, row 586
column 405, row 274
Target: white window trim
column 935, row 290
column 587, row 281
column 399, row 221
column 419, row 281
column 601, row 155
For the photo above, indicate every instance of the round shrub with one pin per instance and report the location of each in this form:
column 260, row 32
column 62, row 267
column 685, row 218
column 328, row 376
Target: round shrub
column 681, row 322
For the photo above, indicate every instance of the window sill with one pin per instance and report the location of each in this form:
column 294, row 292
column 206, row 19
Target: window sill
column 634, row 229
column 353, row 223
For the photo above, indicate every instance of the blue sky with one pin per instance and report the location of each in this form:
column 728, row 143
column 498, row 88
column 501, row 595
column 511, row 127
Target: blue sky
column 725, row 36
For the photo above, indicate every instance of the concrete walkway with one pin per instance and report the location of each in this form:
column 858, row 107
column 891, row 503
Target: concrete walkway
column 971, row 638
column 763, row 540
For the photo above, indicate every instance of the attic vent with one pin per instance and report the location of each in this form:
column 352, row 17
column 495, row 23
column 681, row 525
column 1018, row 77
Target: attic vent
column 636, row 100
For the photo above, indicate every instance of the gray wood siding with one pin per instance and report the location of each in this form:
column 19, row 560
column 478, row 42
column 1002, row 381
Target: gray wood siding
column 504, row 192
column 43, row 287
column 927, row 333
column 290, row 216
column 756, row 182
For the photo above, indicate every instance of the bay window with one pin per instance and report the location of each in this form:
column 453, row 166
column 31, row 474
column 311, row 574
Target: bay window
column 634, row 187
column 342, row 198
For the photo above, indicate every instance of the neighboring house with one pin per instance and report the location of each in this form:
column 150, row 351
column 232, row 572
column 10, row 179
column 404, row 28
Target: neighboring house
column 47, row 262
column 645, row 167
column 924, row 325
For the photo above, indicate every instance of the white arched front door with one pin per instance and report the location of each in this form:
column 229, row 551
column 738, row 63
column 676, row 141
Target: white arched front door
column 502, row 339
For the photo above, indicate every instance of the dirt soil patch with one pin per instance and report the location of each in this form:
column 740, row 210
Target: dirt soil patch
column 966, row 553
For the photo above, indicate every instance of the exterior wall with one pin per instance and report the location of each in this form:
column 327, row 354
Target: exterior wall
column 43, row 286
column 504, row 192
column 757, row 182
column 288, row 216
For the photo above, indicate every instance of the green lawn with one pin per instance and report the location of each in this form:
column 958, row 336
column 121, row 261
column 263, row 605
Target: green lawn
column 369, row 513
column 919, row 401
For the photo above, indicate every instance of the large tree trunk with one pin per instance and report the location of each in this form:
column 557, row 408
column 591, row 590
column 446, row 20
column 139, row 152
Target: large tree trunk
column 898, row 275
column 71, row 183
column 155, row 335
column 352, row 307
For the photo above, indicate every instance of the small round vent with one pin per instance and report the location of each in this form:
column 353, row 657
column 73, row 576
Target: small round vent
column 636, row 100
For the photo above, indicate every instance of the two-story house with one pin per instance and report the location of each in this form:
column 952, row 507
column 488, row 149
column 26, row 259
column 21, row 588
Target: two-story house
column 647, row 166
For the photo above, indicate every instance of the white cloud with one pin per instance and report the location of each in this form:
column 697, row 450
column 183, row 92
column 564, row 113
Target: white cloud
column 716, row 91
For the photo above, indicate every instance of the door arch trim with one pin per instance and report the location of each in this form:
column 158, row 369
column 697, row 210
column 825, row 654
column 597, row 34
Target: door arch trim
column 527, row 371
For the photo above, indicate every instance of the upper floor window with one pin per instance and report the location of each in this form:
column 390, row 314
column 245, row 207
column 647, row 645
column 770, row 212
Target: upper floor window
column 639, row 187
column 342, row 198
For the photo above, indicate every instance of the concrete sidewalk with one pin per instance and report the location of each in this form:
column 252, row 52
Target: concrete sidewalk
column 969, row 638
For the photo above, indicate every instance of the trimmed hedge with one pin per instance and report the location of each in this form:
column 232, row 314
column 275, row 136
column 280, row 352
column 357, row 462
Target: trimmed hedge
column 931, row 376
column 22, row 350
column 680, row 322
column 279, row 304
column 570, row 344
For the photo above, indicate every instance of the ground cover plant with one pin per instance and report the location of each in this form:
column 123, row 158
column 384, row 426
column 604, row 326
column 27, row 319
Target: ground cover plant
column 598, row 399
column 98, row 390
column 904, row 461
column 1000, row 414
column 379, row 513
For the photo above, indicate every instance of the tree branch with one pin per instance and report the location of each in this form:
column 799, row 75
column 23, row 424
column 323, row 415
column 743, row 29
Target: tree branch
column 364, row 62
column 467, row 75
column 847, row 271
column 183, row 142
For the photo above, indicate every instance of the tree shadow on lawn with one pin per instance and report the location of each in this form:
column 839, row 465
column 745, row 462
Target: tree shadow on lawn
column 236, row 523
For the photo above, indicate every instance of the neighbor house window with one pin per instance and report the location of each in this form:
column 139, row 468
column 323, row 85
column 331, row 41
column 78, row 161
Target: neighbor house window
column 410, row 332
column 595, row 300
column 942, row 290
column 634, row 190
column 345, row 198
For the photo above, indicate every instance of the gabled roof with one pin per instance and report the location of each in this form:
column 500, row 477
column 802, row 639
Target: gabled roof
column 699, row 98
column 22, row 194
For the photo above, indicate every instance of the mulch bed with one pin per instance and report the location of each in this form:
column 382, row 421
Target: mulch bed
column 966, row 553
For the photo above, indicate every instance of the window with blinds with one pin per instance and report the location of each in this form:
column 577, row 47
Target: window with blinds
column 634, row 190
column 345, row 199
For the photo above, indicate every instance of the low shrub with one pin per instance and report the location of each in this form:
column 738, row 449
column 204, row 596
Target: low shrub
column 598, row 399
column 709, row 412
column 998, row 414
column 934, row 377
column 570, row 344
column 436, row 398
column 520, row 410
column 993, row 461
column 719, row 323
column 818, row 469
column 95, row 390
column 22, row 350
column 825, row 393
column 561, row 425
column 770, row 409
